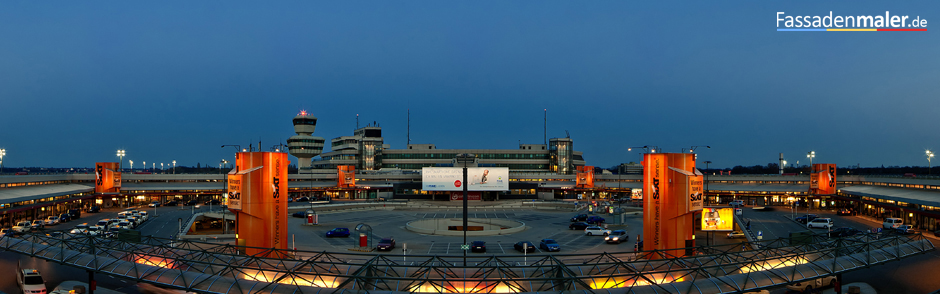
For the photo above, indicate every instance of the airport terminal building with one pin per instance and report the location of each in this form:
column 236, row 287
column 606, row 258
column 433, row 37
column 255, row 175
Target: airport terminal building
column 536, row 171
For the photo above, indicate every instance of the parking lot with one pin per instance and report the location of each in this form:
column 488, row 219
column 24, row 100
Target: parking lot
column 540, row 224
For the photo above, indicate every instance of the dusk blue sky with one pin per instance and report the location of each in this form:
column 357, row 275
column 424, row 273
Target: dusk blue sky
column 175, row 80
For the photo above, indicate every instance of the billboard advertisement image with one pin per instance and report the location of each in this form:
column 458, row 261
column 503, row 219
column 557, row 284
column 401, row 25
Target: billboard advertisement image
column 717, row 219
column 478, row 179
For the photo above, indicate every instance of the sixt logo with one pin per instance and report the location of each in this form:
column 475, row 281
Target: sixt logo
column 832, row 175
column 98, row 170
column 277, row 181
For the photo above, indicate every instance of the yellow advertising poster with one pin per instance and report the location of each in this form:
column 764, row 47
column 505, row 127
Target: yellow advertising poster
column 234, row 195
column 717, row 219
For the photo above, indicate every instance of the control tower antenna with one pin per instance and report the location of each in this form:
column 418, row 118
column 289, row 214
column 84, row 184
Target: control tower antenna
column 357, row 121
column 409, row 126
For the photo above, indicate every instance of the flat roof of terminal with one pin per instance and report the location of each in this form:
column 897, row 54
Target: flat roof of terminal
column 908, row 195
column 17, row 194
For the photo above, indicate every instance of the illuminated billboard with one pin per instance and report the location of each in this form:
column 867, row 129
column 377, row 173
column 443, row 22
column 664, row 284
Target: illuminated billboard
column 478, row 178
column 823, row 179
column 234, row 195
column 107, row 177
column 717, row 219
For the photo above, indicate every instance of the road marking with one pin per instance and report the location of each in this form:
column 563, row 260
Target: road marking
column 501, row 247
column 448, row 249
column 429, row 248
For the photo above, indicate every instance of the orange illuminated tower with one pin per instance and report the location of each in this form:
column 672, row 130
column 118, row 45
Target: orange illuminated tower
column 672, row 192
column 257, row 194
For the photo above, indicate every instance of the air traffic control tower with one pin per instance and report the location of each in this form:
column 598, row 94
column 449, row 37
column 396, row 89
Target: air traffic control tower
column 304, row 146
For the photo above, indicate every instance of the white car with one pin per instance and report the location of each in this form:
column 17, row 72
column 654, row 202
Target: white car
column 824, row 223
column 30, row 281
column 595, row 230
column 144, row 215
column 22, row 227
column 80, row 229
column 52, row 220
column 892, row 223
column 125, row 225
column 807, row 286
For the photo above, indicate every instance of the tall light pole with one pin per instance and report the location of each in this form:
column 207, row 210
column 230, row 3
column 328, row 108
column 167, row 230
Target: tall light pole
column 174, row 167
column 929, row 156
column 132, row 165
column 120, row 153
column 153, row 166
column 810, row 155
column 145, row 166
column 464, row 159
column 706, row 178
column 3, row 152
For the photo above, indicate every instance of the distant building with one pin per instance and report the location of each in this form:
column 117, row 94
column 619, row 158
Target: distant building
column 366, row 150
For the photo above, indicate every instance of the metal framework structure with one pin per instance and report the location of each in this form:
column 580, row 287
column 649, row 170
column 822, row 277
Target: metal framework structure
column 221, row 268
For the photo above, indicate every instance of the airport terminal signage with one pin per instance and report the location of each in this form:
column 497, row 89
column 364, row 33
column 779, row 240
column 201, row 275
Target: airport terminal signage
column 478, row 179
column 717, row 219
column 234, row 195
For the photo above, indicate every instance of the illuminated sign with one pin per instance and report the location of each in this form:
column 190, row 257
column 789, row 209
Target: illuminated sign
column 107, row 177
column 823, row 179
column 345, row 176
column 585, row 177
column 478, row 178
column 234, row 195
column 717, row 219
column 636, row 194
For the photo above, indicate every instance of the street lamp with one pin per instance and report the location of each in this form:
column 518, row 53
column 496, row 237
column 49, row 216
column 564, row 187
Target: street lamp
column 692, row 149
column 464, row 159
column 174, row 167
column 2, row 153
column 161, row 168
column 929, row 156
column 810, row 155
column 120, row 153
column 132, row 165
column 145, row 166
column 706, row 177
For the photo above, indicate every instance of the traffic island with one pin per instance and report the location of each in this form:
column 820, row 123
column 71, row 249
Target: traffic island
column 475, row 226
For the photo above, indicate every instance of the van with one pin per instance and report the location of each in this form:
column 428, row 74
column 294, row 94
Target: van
column 737, row 203
column 892, row 223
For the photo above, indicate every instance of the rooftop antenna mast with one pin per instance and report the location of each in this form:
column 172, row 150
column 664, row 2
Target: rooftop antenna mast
column 357, row 121
column 409, row 126
column 545, row 130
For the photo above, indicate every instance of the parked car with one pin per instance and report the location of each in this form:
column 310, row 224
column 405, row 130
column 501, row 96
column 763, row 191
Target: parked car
column 94, row 209
column 844, row 211
column 303, row 199
column 736, row 203
column 806, row 218
column 75, row 213
column 386, row 244
column 823, row 223
column 735, row 234
column 22, row 227
column 905, row 230
column 81, row 229
column 595, row 230
column 579, row 218
column 477, row 246
column 843, row 232
column 171, row 203
column 213, row 202
column 154, row 204
column 549, row 245
column 37, row 224
column 338, row 232
column 618, row 236
column 192, row 202
column 300, row 214
column 595, row 220
column 7, row 232
column 144, row 215
column 52, row 220
column 65, row 217
column 30, row 281
column 809, row 286
column 892, row 223
column 578, row 226
column 524, row 246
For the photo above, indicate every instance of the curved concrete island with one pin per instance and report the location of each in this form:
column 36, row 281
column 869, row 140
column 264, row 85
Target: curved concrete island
column 475, row 226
